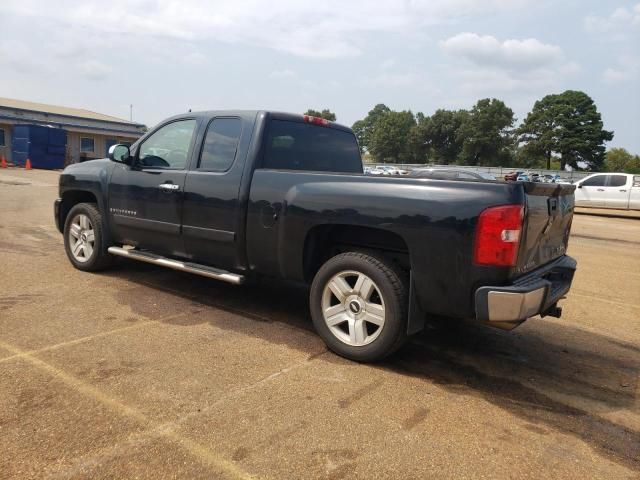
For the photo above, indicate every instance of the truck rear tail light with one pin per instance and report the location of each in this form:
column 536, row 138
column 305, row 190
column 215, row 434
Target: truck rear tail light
column 498, row 236
column 316, row 120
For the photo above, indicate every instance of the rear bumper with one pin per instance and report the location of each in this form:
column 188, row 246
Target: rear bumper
column 56, row 213
column 537, row 293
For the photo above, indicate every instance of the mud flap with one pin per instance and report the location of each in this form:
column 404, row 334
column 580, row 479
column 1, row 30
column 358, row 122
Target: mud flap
column 417, row 316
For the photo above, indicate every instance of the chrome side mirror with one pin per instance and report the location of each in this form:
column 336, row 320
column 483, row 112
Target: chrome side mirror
column 120, row 153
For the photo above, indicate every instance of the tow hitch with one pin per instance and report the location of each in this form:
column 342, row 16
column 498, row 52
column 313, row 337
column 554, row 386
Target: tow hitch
column 554, row 311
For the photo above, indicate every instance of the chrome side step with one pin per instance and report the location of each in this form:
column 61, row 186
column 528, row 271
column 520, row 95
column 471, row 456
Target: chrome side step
column 196, row 268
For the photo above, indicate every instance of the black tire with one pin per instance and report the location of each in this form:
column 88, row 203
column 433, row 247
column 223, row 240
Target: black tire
column 99, row 259
column 391, row 283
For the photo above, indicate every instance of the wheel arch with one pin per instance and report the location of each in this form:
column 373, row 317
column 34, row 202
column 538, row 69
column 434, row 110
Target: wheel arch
column 325, row 241
column 71, row 198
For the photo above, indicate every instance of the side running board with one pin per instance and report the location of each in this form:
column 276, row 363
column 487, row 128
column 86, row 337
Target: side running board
column 196, row 268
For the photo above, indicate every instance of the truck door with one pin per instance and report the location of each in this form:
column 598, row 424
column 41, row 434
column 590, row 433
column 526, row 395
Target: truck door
column 145, row 200
column 634, row 193
column 211, row 213
column 592, row 191
column 618, row 189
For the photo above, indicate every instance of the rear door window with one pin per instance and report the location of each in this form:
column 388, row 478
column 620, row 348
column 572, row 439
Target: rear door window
column 220, row 144
column 303, row 146
column 617, row 181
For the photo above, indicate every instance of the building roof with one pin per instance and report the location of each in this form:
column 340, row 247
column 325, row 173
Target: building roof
column 57, row 110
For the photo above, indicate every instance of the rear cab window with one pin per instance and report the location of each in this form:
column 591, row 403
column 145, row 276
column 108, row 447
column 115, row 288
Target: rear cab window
column 302, row 146
column 617, row 181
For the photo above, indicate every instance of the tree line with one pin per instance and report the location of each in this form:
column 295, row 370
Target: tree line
column 561, row 129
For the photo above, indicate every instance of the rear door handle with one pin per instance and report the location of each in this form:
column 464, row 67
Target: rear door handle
column 601, row 189
column 622, row 190
column 169, row 187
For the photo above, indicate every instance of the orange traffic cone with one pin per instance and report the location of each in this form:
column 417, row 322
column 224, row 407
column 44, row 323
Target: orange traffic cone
column 27, row 165
column 3, row 162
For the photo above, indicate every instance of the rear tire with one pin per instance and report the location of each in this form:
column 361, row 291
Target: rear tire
column 84, row 240
column 358, row 304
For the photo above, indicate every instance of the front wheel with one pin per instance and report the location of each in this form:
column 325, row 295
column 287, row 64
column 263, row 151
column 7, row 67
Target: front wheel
column 358, row 305
column 84, row 241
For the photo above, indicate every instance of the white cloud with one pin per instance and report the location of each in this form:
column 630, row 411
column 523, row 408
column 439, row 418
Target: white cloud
column 613, row 76
column 488, row 50
column 282, row 74
column 627, row 68
column 617, row 22
column 195, row 58
column 387, row 64
column 395, row 80
column 94, row 70
column 328, row 29
column 487, row 66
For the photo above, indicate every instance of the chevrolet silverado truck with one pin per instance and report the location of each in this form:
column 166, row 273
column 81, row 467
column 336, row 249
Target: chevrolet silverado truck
column 237, row 195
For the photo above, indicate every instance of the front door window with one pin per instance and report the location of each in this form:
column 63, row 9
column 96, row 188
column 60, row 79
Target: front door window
column 168, row 147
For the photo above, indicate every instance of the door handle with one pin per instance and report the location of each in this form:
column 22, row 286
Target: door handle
column 622, row 190
column 169, row 187
column 601, row 190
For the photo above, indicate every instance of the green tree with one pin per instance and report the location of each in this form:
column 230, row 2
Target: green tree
column 418, row 148
column 389, row 140
column 620, row 160
column 566, row 124
column 326, row 114
column 363, row 129
column 486, row 134
column 440, row 135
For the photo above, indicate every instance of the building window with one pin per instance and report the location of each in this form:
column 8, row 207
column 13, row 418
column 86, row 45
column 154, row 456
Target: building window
column 87, row 144
column 2, row 142
column 108, row 143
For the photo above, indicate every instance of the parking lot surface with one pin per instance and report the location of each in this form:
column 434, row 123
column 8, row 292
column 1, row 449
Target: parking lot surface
column 141, row 372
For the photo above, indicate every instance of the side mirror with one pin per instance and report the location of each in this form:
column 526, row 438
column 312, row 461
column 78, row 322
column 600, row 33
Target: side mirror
column 579, row 185
column 120, row 153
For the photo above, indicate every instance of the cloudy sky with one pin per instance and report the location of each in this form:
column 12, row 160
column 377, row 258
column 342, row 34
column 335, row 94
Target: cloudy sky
column 166, row 56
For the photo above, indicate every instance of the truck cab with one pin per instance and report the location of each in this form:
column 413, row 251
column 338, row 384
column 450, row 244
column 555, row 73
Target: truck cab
column 609, row 190
column 236, row 195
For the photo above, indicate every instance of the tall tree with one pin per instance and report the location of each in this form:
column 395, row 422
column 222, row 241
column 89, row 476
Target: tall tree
column 569, row 125
column 440, row 134
column 364, row 128
column 486, row 134
column 620, row 160
column 419, row 150
column 389, row 140
column 326, row 114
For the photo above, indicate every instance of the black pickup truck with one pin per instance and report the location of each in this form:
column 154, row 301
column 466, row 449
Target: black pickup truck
column 234, row 195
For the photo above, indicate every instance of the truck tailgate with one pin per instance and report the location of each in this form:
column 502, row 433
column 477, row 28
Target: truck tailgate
column 548, row 216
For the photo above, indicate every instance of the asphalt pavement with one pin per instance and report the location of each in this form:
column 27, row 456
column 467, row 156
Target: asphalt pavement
column 142, row 372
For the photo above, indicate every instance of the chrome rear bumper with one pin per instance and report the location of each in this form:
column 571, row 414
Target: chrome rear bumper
column 536, row 293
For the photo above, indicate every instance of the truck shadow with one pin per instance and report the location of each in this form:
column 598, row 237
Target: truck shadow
column 554, row 376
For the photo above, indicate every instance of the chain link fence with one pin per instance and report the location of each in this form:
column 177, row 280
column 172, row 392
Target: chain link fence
column 498, row 172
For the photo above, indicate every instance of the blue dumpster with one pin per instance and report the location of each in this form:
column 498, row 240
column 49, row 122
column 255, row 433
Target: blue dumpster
column 44, row 146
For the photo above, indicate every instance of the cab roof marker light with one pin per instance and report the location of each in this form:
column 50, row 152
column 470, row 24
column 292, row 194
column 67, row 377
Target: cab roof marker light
column 316, row 120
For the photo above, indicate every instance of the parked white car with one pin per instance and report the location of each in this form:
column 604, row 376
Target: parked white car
column 609, row 190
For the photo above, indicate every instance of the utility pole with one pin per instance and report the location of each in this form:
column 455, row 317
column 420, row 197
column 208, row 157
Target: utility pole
column 131, row 112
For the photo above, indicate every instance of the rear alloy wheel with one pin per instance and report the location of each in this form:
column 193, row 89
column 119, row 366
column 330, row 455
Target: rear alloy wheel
column 358, row 305
column 353, row 308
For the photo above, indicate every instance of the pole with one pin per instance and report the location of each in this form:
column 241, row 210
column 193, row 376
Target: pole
column 131, row 112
